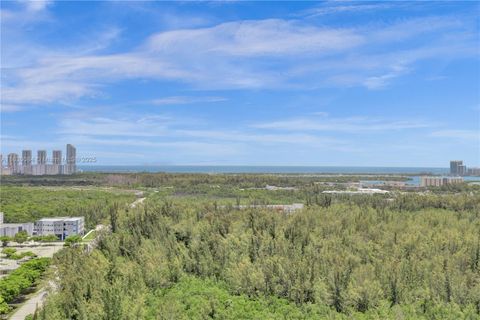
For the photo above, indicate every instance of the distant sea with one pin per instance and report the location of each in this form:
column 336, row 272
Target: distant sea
column 267, row 169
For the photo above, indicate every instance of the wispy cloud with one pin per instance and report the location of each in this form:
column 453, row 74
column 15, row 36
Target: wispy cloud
column 184, row 100
column 146, row 126
column 154, row 127
column 246, row 54
column 263, row 77
column 377, row 82
column 10, row 108
column 349, row 124
column 108, row 148
column 269, row 37
column 462, row 135
column 339, row 7
column 36, row 5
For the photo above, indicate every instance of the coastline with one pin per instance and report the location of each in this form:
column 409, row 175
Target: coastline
column 264, row 169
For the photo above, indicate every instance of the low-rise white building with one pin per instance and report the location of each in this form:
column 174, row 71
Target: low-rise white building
column 11, row 229
column 62, row 227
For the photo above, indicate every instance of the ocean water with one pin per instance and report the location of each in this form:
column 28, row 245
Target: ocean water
column 412, row 180
column 267, row 169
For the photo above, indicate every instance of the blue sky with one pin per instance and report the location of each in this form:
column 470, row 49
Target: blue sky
column 248, row 83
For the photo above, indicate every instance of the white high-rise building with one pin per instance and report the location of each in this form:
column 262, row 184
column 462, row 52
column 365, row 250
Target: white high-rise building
column 41, row 156
column 25, row 165
column 13, row 163
column 56, row 166
column 70, row 165
column 40, row 168
column 454, row 167
column 26, row 162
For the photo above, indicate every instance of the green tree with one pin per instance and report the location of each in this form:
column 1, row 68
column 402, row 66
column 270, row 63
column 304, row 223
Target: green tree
column 21, row 236
column 5, row 240
column 72, row 240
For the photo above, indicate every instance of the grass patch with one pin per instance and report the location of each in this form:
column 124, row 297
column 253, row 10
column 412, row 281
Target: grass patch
column 90, row 236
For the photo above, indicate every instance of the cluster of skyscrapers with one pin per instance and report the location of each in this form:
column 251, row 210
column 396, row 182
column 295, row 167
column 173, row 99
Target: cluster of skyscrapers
column 25, row 165
column 457, row 168
column 457, row 171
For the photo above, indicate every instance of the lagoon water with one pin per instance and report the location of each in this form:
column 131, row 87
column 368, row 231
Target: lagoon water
column 267, row 169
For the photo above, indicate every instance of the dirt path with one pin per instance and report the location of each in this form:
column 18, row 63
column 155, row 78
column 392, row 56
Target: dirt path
column 137, row 202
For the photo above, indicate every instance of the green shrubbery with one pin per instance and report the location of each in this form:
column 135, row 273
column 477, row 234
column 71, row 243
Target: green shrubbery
column 353, row 258
column 21, row 279
column 4, row 308
column 194, row 298
column 11, row 253
column 72, row 240
column 27, row 204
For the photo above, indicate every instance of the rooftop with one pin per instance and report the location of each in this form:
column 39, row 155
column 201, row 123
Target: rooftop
column 60, row 219
column 14, row 225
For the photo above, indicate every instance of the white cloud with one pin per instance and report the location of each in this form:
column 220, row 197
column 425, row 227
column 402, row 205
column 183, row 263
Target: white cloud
column 36, row 5
column 124, row 126
column 106, row 149
column 463, row 135
column 261, row 138
column 350, row 124
column 344, row 7
column 10, row 108
column 251, row 54
column 46, row 92
column 256, row 37
column 185, row 100
column 163, row 127
column 378, row 82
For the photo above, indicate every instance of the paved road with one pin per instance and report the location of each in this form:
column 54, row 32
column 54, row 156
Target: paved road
column 29, row 306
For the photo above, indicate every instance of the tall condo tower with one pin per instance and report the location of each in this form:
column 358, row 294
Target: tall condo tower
column 41, row 167
column 56, row 167
column 26, row 162
column 41, row 157
column 70, row 166
column 13, row 162
column 57, row 157
column 27, row 157
column 454, row 167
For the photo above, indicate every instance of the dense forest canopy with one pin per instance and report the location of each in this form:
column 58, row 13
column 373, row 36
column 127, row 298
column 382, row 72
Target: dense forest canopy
column 401, row 256
column 27, row 204
column 190, row 252
column 144, row 179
